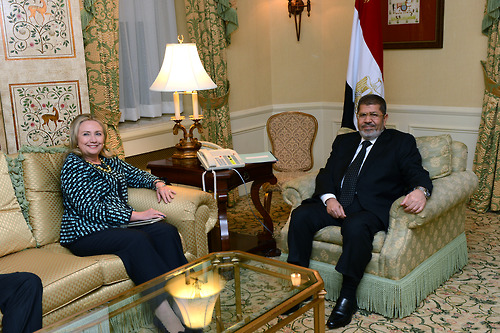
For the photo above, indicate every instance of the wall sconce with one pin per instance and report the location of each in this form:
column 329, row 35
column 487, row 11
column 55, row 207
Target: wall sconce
column 295, row 8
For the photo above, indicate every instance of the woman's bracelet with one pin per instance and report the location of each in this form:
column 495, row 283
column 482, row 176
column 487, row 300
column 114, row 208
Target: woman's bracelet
column 159, row 181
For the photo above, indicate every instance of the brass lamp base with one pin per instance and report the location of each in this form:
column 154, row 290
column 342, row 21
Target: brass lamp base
column 186, row 152
column 187, row 148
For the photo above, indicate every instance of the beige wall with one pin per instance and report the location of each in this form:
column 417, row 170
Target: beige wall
column 450, row 76
column 429, row 91
column 267, row 66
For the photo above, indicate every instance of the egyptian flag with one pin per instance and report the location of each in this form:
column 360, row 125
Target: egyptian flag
column 364, row 72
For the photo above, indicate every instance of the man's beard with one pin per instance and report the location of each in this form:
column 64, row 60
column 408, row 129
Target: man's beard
column 370, row 135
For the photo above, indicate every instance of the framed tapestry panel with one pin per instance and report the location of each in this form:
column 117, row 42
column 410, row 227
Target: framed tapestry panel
column 43, row 84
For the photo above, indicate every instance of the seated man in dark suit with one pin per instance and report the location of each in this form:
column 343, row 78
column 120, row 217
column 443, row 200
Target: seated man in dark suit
column 21, row 302
column 365, row 173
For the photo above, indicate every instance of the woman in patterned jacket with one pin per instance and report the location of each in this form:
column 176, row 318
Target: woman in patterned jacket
column 94, row 187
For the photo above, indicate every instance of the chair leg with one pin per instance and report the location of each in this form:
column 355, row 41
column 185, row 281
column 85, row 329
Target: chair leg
column 268, row 197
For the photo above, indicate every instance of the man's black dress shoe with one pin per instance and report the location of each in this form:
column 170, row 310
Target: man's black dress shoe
column 342, row 313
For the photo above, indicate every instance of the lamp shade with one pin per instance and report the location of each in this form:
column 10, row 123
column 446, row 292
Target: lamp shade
column 196, row 299
column 182, row 70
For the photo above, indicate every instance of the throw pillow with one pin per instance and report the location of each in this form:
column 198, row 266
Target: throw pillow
column 436, row 154
column 41, row 169
column 15, row 234
column 15, row 168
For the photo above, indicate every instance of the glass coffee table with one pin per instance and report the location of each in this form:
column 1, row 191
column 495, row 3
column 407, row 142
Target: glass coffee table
column 253, row 292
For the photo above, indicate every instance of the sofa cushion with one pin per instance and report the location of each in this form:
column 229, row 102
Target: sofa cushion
column 112, row 267
column 333, row 235
column 41, row 173
column 459, row 156
column 65, row 278
column 436, row 154
column 15, row 234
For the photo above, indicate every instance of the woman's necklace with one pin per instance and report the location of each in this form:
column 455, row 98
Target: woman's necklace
column 99, row 166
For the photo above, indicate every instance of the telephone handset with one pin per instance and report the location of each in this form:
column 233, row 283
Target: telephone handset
column 218, row 159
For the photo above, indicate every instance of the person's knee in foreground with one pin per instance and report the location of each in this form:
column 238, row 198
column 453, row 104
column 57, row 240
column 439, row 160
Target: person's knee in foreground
column 94, row 187
column 21, row 302
column 365, row 173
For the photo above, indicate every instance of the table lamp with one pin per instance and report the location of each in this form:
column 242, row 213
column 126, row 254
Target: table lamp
column 196, row 297
column 183, row 72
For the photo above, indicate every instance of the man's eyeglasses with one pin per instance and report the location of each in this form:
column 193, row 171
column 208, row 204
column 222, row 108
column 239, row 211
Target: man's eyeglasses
column 372, row 115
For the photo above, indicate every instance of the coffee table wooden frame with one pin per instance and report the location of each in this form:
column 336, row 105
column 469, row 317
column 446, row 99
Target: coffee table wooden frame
column 316, row 291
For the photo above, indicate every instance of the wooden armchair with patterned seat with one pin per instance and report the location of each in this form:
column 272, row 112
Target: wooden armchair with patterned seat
column 292, row 135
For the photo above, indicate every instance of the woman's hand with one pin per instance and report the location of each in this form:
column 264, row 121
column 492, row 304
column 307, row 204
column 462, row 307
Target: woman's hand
column 164, row 192
column 146, row 215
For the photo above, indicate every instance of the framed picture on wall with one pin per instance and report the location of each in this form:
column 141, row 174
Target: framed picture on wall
column 412, row 24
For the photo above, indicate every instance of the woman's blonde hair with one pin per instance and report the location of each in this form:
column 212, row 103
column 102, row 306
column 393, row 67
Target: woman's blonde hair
column 73, row 134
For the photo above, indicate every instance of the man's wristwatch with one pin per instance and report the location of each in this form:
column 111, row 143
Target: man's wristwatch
column 423, row 189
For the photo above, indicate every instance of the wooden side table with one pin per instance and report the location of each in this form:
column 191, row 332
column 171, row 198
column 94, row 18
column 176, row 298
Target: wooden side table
column 227, row 180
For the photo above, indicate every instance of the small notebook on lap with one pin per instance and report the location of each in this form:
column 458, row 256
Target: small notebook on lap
column 141, row 222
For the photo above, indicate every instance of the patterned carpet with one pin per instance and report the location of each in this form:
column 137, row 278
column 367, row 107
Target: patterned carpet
column 468, row 302
column 242, row 217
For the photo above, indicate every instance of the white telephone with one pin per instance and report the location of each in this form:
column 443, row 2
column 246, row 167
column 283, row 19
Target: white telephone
column 218, row 158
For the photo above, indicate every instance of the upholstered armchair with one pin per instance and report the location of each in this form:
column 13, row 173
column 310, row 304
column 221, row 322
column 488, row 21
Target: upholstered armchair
column 419, row 252
column 292, row 135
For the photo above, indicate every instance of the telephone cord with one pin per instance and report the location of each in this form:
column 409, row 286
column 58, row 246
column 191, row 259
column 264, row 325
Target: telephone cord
column 246, row 194
column 215, row 182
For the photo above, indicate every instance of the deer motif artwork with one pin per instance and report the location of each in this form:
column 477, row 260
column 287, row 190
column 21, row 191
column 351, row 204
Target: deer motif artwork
column 38, row 9
column 48, row 117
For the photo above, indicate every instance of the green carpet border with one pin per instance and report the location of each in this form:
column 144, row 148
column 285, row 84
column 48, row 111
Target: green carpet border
column 399, row 298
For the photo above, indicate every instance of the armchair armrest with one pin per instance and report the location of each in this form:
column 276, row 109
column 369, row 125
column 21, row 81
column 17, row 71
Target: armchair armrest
column 448, row 192
column 299, row 189
column 412, row 238
column 192, row 212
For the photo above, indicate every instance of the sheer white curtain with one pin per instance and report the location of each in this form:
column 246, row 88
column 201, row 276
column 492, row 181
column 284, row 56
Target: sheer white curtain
column 146, row 26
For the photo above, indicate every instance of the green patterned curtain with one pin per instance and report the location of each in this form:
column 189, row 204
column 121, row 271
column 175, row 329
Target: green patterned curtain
column 487, row 156
column 209, row 24
column 100, row 36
